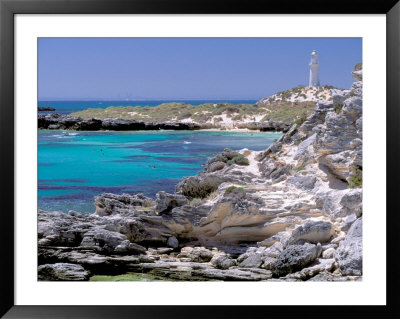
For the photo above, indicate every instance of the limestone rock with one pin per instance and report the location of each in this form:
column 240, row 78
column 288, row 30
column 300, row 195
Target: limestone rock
column 109, row 204
column 304, row 145
column 348, row 222
column 253, row 260
column 62, row 271
column 293, row 258
column 320, row 265
column 172, row 242
column 329, row 253
column 215, row 166
column 313, row 232
column 268, row 261
column 130, row 248
column 349, row 253
column 166, row 202
column 196, row 254
column 303, row 182
column 223, row 261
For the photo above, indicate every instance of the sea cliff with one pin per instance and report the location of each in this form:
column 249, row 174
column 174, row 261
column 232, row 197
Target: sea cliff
column 291, row 212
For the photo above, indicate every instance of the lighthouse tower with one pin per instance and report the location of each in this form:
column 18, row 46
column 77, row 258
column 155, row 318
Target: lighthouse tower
column 314, row 69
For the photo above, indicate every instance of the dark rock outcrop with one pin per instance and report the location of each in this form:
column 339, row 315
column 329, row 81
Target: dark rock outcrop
column 293, row 258
column 45, row 108
column 67, row 122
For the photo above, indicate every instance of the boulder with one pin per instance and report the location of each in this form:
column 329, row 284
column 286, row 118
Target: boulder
column 166, row 202
column 253, row 260
column 294, row 258
column 172, row 242
column 304, row 145
column 304, row 182
column 62, row 271
column 106, row 239
column 349, row 253
column 109, row 204
column 352, row 199
column 222, row 261
column 318, row 266
column 127, row 247
column 196, row 254
column 313, row 232
column 215, row 166
column 268, row 261
column 348, row 222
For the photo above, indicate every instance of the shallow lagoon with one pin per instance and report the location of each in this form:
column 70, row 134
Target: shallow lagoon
column 73, row 167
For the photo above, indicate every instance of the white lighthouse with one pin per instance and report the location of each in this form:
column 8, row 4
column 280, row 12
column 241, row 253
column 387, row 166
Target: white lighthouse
column 314, row 69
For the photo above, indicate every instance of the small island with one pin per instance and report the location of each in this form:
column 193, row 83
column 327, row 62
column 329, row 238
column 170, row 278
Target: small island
column 45, row 108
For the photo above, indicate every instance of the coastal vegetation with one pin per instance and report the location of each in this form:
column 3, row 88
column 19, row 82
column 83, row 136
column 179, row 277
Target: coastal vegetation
column 209, row 112
column 338, row 108
column 356, row 177
column 300, row 94
column 231, row 189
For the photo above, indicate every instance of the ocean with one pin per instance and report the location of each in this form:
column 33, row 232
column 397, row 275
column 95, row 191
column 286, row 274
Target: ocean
column 73, row 167
column 66, row 107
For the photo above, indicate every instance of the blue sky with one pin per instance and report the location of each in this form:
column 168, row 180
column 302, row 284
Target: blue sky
column 188, row 68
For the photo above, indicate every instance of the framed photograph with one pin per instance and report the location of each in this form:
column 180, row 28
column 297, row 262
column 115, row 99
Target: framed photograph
column 173, row 159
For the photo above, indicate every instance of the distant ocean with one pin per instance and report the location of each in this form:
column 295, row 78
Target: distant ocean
column 66, row 107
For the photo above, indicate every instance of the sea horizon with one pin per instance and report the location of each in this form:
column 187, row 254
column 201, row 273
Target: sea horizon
column 71, row 106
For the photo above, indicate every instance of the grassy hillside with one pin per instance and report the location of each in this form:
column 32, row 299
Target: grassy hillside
column 212, row 113
column 300, row 94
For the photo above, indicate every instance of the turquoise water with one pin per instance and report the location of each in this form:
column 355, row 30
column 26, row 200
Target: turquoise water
column 73, row 167
column 66, row 107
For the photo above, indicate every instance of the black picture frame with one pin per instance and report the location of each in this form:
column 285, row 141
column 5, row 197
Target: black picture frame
column 9, row 8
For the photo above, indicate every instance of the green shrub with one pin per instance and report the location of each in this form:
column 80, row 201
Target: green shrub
column 240, row 160
column 355, row 177
column 300, row 168
column 298, row 142
column 184, row 116
column 234, row 188
column 301, row 119
column 338, row 108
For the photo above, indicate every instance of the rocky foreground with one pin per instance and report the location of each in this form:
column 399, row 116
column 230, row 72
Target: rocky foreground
column 292, row 212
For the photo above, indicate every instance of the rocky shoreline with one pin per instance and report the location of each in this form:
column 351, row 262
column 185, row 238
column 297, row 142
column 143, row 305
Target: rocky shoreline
column 56, row 121
column 290, row 213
